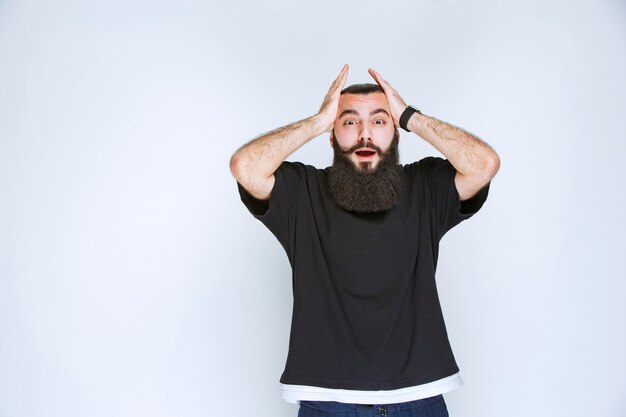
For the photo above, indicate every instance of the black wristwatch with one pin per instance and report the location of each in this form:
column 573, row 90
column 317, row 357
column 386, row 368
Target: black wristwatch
column 406, row 115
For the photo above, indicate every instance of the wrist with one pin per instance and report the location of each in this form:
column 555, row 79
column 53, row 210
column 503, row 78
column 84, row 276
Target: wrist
column 321, row 123
column 416, row 122
column 406, row 116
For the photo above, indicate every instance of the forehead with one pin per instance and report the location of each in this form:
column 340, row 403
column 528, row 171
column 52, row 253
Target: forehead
column 363, row 102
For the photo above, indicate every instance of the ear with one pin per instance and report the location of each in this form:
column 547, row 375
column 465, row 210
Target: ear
column 331, row 137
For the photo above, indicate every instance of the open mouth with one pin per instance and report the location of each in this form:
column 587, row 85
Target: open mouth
column 365, row 153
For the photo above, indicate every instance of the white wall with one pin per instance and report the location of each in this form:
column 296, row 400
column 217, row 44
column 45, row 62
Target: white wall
column 134, row 283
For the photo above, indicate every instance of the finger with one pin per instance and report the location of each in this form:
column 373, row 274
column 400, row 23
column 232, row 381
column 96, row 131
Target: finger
column 379, row 80
column 332, row 96
column 375, row 75
column 372, row 73
column 341, row 78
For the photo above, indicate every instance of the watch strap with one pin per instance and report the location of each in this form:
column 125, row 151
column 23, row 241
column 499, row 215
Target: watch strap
column 406, row 115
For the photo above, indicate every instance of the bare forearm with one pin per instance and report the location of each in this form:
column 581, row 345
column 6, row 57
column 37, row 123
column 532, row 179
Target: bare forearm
column 257, row 160
column 254, row 164
column 469, row 155
column 475, row 162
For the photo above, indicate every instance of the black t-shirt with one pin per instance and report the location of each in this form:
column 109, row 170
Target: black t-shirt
column 366, row 315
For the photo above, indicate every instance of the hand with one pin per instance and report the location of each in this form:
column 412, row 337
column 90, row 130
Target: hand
column 328, row 111
column 396, row 104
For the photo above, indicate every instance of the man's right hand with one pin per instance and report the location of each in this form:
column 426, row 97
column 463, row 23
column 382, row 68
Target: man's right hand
column 254, row 164
column 328, row 111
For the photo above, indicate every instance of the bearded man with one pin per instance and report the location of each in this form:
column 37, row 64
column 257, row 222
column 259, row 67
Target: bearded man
column 362, row 237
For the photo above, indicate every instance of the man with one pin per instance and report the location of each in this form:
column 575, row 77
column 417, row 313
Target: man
column 362, row 237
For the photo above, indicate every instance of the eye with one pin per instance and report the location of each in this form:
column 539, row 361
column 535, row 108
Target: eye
column 379, row 122
column 349, row 122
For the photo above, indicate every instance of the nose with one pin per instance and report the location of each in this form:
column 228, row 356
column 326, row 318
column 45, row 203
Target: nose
column 365, row 134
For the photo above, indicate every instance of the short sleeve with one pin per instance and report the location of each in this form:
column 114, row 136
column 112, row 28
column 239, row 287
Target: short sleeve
column 278, row 214
column 448, row 209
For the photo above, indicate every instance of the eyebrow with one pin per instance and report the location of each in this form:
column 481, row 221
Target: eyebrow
column 379, row 110
column 348, row 111
column 354, row 112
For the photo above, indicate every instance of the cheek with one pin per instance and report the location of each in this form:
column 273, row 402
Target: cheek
column 385, row 137
column 344, row 137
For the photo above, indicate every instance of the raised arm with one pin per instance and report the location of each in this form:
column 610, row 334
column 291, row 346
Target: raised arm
column 475, row 161
column 254, row 164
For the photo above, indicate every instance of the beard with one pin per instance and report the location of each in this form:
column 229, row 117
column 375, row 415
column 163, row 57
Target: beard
column 366, row 190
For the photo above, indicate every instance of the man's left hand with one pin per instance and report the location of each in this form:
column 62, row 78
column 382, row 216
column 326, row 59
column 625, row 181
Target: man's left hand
column 396, row 104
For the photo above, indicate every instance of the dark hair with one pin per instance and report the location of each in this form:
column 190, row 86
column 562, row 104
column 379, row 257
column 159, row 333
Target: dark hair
column 363, row 89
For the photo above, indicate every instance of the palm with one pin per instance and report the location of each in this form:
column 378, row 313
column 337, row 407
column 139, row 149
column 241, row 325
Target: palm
column 396, row 103
column 329, row 107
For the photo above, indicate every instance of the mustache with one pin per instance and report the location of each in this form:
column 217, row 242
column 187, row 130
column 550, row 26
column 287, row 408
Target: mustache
column 367, row 144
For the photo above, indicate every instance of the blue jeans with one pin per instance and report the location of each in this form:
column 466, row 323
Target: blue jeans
column 427, row 407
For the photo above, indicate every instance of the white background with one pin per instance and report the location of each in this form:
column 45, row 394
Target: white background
column 133, row 282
